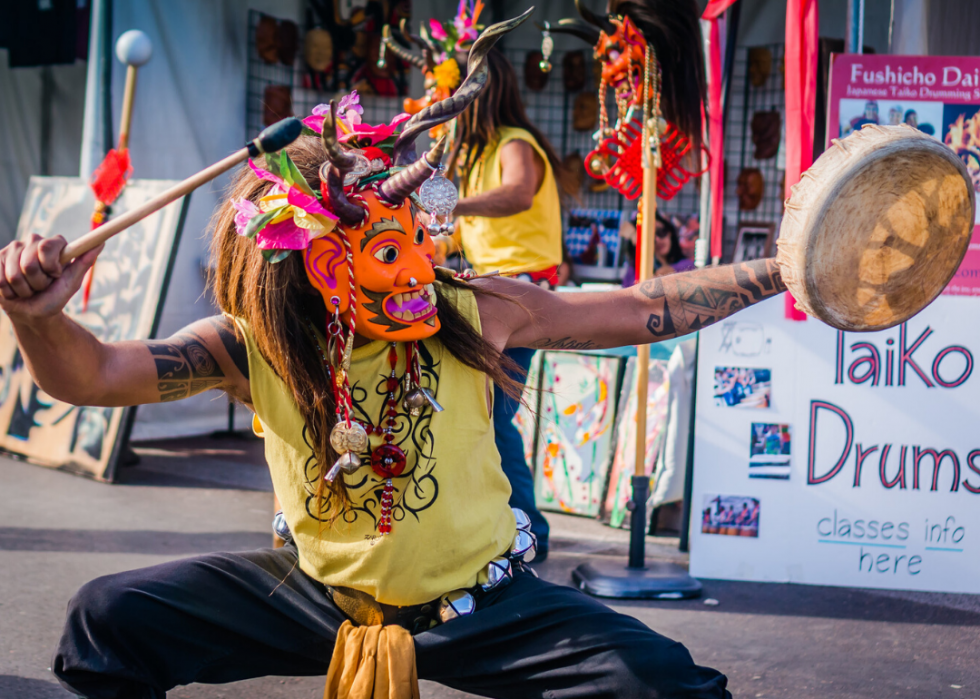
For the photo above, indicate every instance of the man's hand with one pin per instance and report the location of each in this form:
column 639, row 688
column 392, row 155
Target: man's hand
column 34, row 285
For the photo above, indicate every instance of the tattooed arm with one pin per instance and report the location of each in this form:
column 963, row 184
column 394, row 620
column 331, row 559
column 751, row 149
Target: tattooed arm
column 657, row 309
column 72, row 365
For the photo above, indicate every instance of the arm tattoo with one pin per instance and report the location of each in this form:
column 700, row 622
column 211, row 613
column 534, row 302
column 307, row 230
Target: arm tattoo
column 563, row 343
column 184, row 366
column 236, row 348
column 684, row 303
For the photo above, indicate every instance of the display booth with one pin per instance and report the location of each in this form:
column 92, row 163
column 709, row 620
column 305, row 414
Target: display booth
column 853, row 459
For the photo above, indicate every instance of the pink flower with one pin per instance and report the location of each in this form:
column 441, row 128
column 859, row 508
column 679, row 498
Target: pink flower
column 284, row 235
column 247, row 210
column 367, row 135
column 349, row 124
column 435, row 28
column 351, row 102
column 297, row 220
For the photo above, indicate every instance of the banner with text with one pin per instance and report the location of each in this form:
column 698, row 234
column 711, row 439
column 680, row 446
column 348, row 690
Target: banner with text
column 938, row 95
column 837, row 458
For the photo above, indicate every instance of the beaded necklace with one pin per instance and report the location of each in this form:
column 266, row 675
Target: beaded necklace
column 350, row 437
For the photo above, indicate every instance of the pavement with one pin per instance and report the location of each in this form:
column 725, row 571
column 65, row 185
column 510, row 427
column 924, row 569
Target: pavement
column 58, row 531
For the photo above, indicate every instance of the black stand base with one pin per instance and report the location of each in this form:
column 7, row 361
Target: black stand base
column 656, row 581
column 637, row 580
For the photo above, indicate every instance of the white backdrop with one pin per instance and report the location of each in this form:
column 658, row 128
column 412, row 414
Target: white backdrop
column 845, row 395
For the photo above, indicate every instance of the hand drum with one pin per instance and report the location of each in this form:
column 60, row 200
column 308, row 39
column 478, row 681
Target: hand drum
column 875, row 230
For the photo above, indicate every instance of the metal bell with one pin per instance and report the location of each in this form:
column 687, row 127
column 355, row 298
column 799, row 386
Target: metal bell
column 456, row 604
column 413, row 402
column 280, row 527
column 524, row 546
column 498, row 572
column 450, row 228
column 523, row 521
column 430, row 399
column 348, row 462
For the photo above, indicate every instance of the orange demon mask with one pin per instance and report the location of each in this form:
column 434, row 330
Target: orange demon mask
column 391, row 254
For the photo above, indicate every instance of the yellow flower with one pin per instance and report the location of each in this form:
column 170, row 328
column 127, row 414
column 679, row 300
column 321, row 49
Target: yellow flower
column 447, row 74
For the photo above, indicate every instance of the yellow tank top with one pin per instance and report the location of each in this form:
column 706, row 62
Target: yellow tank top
column 526, row 242
column 451, row 515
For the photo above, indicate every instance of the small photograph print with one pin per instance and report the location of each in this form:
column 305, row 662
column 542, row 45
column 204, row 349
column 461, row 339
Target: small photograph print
column 961, row 132
column 927, row 117
column 730, row 515
column 769, row 451
column 742, row 387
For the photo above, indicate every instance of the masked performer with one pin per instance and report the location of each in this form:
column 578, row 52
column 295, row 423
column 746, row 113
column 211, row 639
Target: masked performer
column 370, row 372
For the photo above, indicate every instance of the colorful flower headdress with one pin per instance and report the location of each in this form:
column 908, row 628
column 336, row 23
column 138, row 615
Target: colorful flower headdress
column 293, row 213
column 439, row 45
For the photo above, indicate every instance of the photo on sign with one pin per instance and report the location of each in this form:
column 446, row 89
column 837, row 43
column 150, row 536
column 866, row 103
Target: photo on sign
column 754, row 241
column 961, row 132
column 730, row 515
column 742, row 387
column 927, row 117
column 769, row 451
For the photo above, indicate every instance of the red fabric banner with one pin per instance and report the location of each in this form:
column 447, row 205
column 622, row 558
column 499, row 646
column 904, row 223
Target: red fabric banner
column 716, row 138
column 715, row 8
column 802, row 38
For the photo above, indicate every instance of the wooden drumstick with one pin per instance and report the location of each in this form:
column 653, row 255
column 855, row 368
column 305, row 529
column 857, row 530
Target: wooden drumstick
column 272, row 139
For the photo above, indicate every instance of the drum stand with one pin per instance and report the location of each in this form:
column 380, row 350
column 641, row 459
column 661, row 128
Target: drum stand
column 638, row 580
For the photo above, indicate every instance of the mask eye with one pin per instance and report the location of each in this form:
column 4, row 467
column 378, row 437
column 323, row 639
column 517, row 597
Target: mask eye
column 388, row 254
column 419, row 236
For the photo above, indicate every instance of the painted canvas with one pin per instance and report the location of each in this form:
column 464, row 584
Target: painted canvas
column 577, row 414
column 127, row 294
column 624, row 456
column 525, row 420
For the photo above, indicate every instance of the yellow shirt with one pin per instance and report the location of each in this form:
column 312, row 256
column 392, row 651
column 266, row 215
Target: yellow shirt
column 526, row 242
column 450, row 516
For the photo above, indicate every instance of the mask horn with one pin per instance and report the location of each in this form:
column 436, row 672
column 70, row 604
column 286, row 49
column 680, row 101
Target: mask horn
column 601, row 21
column 476, row 79
column 429, row 49
column 395, row 189
column 393, row 46
column 588, row 33
column 339, row 162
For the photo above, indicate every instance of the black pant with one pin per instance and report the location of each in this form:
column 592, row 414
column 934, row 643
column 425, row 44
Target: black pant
column 225, row 617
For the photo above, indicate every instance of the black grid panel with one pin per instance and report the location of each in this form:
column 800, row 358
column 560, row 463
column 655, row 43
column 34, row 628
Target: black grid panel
column 744, row 101
column 550, row 109
column 377, row 110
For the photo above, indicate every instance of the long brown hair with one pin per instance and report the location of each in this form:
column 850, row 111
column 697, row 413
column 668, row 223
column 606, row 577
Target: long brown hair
column 499, row 105
column 278, row 301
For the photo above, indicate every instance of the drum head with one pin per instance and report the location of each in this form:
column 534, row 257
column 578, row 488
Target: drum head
column 876, row 228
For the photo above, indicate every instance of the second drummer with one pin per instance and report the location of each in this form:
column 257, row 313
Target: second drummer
column 510, row 221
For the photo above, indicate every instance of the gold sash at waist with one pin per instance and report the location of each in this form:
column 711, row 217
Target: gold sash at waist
column 372, row 662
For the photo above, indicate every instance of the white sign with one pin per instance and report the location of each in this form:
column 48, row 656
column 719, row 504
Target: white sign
column 837, row 458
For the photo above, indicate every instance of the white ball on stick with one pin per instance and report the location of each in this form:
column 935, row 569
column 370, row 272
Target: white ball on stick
column 134, row 48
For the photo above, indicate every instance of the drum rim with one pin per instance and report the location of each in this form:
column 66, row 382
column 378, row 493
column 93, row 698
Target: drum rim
column 895, row 146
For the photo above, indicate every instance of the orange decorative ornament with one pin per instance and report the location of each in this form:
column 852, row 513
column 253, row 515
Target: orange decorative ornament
column 621, row 54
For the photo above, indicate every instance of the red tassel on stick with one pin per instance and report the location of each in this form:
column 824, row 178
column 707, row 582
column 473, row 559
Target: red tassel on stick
column 107, row 183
